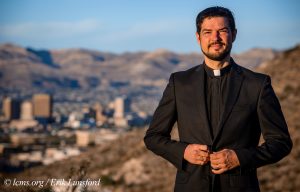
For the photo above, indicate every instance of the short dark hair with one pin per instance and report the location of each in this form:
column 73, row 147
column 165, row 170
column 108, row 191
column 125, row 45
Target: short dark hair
column 216, row 11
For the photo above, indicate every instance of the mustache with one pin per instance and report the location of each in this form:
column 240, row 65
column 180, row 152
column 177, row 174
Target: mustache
column 216, row 43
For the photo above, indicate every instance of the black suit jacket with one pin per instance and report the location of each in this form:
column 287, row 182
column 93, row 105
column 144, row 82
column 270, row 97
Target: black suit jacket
column 251, row 109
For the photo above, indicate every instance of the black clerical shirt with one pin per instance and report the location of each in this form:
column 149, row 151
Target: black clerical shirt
column 216, row 86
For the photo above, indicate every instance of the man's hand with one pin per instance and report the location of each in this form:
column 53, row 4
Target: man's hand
column 223, row 161
column 196, row 154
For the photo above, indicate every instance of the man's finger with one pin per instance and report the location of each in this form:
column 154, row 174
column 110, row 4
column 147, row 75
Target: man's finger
column 214, row 163
column 220, row 153
column 203, row 153
column 198, row 162
column 215, row 156
column 218, row 165
column 202, row 147
column 214, row 167
column 218, row 171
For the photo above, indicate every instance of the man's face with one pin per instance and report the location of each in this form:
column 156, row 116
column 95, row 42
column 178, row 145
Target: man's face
column 216, row 38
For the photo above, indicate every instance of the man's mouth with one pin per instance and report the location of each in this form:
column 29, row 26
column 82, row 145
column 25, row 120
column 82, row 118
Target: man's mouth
column 216, row 45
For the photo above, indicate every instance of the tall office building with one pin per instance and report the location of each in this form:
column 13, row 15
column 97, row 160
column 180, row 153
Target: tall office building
column 6, row 108
column 42, row 108
column 100, row 118
column 26, row 111
column 127, row 105
column 121, row 107
column 11, row 108
column 26, row 120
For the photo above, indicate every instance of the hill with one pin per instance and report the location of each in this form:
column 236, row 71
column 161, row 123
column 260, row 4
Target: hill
column 284, row 70
column 27, row 68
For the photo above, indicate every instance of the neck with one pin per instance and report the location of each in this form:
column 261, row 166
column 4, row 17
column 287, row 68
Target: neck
column 217, row 64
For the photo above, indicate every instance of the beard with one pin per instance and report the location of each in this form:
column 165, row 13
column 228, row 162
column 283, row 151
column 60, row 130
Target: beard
column 220, row 55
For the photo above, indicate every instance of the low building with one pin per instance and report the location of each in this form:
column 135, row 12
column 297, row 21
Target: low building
column 84, row 138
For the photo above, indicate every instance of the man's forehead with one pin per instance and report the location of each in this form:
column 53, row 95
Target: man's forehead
column 215, row 22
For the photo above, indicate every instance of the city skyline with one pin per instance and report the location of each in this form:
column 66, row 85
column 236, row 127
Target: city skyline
column 118, row 27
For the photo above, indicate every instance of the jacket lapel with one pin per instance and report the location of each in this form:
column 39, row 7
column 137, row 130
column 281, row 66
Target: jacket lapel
column 234, row 86
column 199, row 88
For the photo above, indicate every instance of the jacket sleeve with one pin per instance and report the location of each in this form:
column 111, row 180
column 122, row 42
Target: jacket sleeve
column 274, row 129
column 158, row 138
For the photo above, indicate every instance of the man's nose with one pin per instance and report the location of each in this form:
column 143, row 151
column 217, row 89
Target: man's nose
column 215, row 36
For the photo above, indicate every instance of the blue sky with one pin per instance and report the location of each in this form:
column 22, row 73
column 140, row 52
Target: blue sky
column 140, row 25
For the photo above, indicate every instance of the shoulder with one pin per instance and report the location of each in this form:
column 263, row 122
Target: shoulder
column 187, row 73
column 252, row 76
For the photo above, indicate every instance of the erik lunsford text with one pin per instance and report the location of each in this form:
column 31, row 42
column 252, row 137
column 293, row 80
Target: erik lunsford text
column 51, row 182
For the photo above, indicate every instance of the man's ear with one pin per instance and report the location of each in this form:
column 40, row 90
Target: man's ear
column 234, row 35
column 198, row 37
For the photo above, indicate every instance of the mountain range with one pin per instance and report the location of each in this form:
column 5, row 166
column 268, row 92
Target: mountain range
column 27, row 68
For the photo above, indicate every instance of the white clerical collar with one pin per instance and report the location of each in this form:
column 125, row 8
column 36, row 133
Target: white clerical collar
column 217, row 72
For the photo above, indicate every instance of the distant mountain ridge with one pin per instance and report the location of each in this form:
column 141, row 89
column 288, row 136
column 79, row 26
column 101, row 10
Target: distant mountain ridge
column 81, row 68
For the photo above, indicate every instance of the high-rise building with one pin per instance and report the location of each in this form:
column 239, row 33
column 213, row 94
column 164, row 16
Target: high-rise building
column 6, row 108
column 26, row 111
column 121, row 107
column 11, row 108
column 127, row 105
column 100, row 118
column 26, row 120
column 42, row 106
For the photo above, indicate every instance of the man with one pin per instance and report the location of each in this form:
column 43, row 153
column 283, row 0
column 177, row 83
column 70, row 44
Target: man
column 221, row 110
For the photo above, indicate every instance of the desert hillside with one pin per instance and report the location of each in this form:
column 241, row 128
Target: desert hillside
column 284, row 70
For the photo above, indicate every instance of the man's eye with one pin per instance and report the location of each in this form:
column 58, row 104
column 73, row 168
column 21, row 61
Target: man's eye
column 223, row 31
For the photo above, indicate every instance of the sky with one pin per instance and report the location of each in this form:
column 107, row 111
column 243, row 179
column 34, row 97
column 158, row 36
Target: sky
column 143, row 25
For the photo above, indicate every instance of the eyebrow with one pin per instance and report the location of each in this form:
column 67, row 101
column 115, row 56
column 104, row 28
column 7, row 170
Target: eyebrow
column 224, row 28
column 218, row 29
